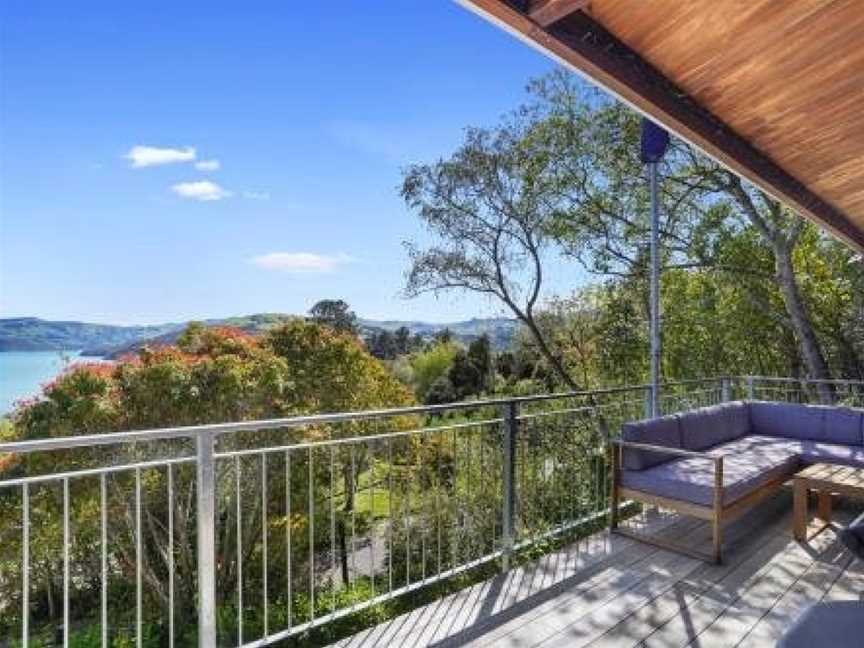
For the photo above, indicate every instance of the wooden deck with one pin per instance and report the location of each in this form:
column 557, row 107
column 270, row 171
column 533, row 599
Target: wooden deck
column 612, row 591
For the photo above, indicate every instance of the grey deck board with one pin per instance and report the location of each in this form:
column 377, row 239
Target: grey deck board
column 610, row 591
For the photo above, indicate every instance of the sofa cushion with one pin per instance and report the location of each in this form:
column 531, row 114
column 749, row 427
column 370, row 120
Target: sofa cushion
column 748, row 463
column 789, row 420
column 664, row 431
column 710, row 426
column 834, row 453
column 844, row 425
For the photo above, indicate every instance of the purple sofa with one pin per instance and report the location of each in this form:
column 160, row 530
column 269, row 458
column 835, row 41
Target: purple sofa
column 717, row 461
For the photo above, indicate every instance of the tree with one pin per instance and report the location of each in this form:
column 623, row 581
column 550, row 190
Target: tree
column 464, row 376
column 487, row 208
column 430, row 365
column 336, row 314
column 213, row 375
column 480, row 357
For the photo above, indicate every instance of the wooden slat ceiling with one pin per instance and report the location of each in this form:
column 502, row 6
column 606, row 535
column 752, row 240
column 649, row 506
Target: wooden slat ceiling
column 774, row 89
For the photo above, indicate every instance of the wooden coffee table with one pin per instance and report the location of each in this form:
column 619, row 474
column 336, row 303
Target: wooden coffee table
column 825, row 479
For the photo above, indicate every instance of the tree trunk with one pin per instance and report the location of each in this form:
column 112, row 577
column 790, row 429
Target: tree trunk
column 811, row 350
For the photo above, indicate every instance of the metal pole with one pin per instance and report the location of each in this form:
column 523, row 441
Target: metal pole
column 511, row 422
column 655, row 292
column 206, row 491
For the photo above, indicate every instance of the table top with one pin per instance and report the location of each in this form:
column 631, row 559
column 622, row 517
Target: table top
column 828, row 475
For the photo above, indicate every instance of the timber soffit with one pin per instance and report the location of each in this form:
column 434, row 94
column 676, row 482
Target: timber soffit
column 560, row 29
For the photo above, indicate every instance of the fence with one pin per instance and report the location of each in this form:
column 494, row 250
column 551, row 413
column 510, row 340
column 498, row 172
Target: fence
column 254, row 532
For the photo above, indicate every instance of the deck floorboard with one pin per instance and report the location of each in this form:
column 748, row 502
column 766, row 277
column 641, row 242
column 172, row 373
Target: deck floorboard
column 609, row 591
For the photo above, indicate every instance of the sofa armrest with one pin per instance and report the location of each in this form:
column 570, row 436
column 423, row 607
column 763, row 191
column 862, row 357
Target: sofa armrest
column 671, row 451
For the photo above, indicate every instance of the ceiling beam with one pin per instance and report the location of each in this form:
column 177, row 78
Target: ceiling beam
column 584, row 46
column 547, row 12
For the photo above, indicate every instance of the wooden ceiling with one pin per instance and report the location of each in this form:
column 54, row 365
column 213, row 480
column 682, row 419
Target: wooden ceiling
column 774, row 89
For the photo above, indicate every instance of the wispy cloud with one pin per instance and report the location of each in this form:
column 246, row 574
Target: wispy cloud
column 302, row 262
column 208, row 165
column 257, row 195
column 147, row 156
column 203, row 190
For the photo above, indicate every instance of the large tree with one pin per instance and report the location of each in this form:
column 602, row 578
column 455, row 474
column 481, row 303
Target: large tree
column 487, row 208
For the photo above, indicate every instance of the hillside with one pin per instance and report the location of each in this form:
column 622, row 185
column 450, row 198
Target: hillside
column 34, row 334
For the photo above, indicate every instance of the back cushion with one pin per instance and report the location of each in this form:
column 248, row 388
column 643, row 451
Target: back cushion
column 843, row 425
column 663, row 431
column 710, row 426
column 789, row 420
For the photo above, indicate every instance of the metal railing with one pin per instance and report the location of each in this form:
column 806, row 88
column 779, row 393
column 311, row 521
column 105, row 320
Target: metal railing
column 254, row 532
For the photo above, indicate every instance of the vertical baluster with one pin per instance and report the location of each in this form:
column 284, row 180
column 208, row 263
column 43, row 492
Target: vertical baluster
column 456, row 522
column 170, row 556
column 370, row 450
column 66, row 540
column 288, row 531
column 138, row 548
column 469, row 508
column 438, row 498
column 390, row 521
column 25, row 565
column 103, row 499
column 352, row 488
column 311, row 536
column 239, row 531
column 264, row 570
column 333, row 531
column 406, row 486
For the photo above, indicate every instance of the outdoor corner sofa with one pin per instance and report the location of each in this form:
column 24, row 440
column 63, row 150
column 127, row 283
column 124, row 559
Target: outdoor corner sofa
column 716, row 462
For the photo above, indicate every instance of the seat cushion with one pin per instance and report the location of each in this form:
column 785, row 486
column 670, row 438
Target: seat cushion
column 789, row 420
column 835, row 453
column 664, row 431
column 711, row 426
column 748, row 463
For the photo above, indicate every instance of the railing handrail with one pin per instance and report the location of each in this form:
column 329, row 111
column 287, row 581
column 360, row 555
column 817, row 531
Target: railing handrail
column 193, row 431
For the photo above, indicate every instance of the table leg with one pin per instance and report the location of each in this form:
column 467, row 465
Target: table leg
column 799, row 510
column 824, row 506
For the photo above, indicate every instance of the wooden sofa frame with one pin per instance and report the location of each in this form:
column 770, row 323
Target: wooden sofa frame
column 717, row 514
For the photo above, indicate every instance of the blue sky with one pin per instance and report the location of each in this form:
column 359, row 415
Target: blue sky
column 309, row 110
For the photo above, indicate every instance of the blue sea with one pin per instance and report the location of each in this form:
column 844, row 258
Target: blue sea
column 22, row 373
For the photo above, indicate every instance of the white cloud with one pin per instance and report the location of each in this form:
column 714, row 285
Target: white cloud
column 208, row 165
column 257, row 195
column 147, row 156
column 301, row 261
column 203, row 190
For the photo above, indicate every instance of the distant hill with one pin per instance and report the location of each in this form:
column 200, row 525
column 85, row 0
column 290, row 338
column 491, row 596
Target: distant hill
column 499, row 329
column 34, row 334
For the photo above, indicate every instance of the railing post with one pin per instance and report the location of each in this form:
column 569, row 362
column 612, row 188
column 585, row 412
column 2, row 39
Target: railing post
column 510, row 414
column 206, row 511
column 751, row 392
column 649, row 402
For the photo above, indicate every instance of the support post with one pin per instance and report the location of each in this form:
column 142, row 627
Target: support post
column 510, row 414
column 717, row 517
column 206, row 512
column 655, row 292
